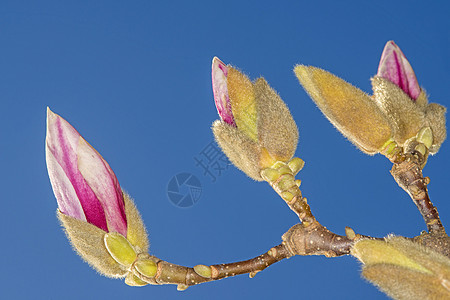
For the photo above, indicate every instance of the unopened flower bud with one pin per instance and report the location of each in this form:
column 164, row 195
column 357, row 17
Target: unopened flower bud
column 256, row 128
column 91, row 205
column 396, row 68
column 404, row 103
column 348, row 108
column 393, row 117
column 404, row 269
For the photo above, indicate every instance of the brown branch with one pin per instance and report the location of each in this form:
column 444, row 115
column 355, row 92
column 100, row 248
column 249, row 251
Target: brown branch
column 183, row 277
column 407, row 172
column 316, row 239
column 313, row 239
column 251, row 266
column 437, row 241
column 307, row 238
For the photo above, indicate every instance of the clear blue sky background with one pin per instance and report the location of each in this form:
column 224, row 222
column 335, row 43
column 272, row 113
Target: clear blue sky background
column 134, row 78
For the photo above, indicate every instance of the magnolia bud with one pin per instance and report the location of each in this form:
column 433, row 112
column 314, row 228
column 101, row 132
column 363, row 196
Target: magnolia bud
column 408, row 117
column 101, row 221
column 404, row 103
column 394, row 116
column 348, row 108
column 256, row 128
column 404, row 269
column 405, row 117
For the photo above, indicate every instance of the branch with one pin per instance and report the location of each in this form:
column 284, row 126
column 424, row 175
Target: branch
column 307, row 238
column 407, row 172
column 316, row 239
column 183, row 277
column 313, row 239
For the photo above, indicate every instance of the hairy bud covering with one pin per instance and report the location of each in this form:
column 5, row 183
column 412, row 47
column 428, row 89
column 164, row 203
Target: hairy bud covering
column 348, row 108
column 258, row 129
column 404, row 269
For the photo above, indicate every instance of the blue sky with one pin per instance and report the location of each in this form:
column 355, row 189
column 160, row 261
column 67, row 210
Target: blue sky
column 133, row 77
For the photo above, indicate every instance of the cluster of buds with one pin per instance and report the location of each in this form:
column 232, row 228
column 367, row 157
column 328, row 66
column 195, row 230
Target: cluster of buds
column 258, row 134
column 398, row 114
column 100, row 220
column 256, row 128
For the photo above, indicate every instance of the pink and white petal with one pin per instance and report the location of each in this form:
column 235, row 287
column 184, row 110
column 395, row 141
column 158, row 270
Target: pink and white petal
column 63, row 189
column 102, row 180
column 62, row 143
column 413, row 84
column 60, row 134
column 219, row 73
column 395, row 67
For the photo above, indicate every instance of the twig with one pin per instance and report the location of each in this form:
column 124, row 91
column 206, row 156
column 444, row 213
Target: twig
column 307, row 238
column 407, row 172
column 316, row 239
column 183, row 277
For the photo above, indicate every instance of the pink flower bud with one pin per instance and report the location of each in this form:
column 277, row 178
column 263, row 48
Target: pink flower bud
column 85, row 186
column 219, row 75
column 395, row 67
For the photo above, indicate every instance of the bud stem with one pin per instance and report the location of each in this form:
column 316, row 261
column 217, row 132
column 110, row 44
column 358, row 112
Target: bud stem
column 407, row 172
column 281, row 177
